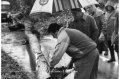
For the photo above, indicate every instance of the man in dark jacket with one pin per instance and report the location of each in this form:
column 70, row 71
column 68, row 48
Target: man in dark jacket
column 101, row 24
column 84, row 23
column 77, row 45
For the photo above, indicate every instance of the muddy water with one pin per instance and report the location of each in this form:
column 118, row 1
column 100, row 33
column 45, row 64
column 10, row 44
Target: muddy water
column 11, row 44
column 17, row 51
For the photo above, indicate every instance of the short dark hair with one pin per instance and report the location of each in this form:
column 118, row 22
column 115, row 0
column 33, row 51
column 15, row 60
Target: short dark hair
column 53, row 27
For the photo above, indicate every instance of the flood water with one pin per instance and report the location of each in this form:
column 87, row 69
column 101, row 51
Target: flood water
column 106, row 70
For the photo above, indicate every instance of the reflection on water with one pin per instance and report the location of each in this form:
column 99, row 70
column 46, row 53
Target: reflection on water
column 107, row 70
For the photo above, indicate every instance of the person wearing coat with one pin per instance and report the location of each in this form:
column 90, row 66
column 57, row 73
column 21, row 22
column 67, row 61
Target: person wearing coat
column 101, row 24
column 77, row 45
column 111, row 16
column 84, row 23
column 115, row 34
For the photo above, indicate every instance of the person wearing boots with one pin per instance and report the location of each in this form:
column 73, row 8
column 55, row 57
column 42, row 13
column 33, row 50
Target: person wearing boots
column 111, row 16
column 101, row 24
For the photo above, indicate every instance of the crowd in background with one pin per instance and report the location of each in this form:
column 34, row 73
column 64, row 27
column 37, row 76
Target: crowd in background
column 107, row 19
column 101, row 23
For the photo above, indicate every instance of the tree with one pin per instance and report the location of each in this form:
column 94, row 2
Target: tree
column 20, row 5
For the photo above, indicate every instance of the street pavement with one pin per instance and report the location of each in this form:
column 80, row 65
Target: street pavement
column 108, row 70
column 105, row 70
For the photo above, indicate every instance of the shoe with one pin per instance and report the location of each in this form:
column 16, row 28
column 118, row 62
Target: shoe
column 111, row 60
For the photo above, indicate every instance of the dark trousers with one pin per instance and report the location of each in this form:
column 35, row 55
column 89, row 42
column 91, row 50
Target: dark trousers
column 111, row 48
column 117, row 49
column 87, row 67
column 102, row 46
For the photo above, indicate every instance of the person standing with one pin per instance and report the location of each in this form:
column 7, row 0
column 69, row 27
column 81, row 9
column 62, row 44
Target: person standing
column 77, row 45
column 115, row 34
column 111, row 18
column 85, row 23
column 101, row 24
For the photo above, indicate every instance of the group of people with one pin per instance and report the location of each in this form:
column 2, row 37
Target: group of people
column 107, row 19
column 91, row 33
column 100, row 23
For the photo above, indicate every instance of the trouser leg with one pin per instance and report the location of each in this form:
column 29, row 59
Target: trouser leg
column 87, row 68
column 117, row 49
column 99, row 46
column 95, row 69
column 111, row 48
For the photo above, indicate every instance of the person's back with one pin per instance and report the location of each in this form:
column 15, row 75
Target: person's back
column 84, row 54
column 80, row 47
column 82, row 44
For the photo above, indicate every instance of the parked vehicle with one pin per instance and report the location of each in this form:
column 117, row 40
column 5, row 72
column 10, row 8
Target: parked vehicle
column 5, row 12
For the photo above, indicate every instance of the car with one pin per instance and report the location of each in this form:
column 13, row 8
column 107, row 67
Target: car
column 5, row 12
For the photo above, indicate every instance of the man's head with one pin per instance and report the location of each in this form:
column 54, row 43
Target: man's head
column 90, row 8
column 102, row 4
column 53, row 29
column 77, row 12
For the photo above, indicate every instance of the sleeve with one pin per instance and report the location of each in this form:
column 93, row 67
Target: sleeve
column 61, row 47
column 117, row 23
column 104, row 24
column 103, row 27
column 94, row 29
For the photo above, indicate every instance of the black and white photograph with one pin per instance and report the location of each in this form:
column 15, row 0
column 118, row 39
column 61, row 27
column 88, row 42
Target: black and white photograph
column 59, row 39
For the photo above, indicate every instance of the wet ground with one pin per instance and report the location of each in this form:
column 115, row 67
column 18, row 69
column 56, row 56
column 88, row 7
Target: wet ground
column 108, row 70
column 105, row 70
